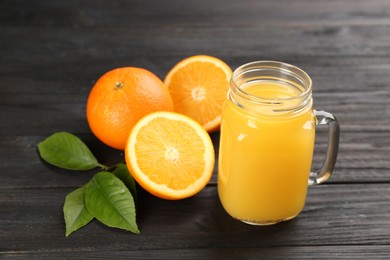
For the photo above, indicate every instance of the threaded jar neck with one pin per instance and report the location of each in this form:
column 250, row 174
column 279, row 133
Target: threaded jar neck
column 292, row 79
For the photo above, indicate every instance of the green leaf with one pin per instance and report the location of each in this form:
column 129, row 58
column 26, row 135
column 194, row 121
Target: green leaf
column 67, row 151
column 121, row 171
column 76, row 214
column 109, row 201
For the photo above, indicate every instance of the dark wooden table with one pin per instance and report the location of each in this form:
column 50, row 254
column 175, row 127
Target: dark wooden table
column 52, row 52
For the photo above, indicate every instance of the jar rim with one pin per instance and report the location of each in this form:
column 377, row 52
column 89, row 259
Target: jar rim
column 284, row 67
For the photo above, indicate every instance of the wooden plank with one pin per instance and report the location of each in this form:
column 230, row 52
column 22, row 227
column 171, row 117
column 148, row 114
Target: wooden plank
column 305, row 252
column 363, row 157
column 334, row 78
column 97, row 48
column 35, row 116
column 335, row 215
column 100, row 13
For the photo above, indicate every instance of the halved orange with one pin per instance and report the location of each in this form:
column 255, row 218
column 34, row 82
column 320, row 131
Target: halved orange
column 198, row 86
column 170, row 155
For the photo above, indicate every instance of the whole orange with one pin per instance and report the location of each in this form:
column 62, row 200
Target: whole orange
column 120, row 98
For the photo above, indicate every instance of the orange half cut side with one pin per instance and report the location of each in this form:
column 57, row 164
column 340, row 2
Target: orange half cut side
column 170, row 155
column 198, row 86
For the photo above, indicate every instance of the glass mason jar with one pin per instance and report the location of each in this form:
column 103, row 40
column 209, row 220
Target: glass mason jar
column 267, row 143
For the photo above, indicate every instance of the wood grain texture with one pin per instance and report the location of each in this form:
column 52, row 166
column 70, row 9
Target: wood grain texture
column 52, row 52
column 347, row 215
column 138, row 13
column 363, row 158
column 307, row 252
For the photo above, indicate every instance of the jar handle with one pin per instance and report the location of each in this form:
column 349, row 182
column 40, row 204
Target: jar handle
column 325, row 118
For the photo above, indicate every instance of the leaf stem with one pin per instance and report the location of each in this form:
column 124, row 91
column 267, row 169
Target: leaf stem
column 109, row 168
column 104, row 167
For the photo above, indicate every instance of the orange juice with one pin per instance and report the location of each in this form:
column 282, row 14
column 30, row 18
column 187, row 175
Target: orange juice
column 266, row 149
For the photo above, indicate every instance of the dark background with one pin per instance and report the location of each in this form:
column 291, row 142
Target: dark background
column 52, row 52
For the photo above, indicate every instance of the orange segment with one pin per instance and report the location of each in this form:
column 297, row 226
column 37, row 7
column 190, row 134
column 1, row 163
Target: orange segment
column 198, row 86
column 170, row 155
